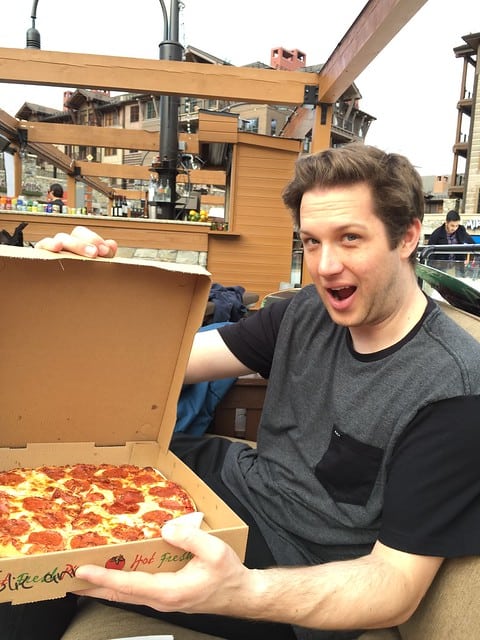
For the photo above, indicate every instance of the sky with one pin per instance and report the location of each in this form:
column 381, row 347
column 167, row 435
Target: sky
column 411, row 87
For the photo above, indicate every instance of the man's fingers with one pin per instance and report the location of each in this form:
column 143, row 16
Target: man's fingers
column 88, row 238
column 198, row 542
column 126, row 582
column 50, row 244
column 82, row 242
column 135, row 587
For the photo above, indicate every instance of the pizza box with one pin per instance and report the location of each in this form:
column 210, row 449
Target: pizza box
column 93, row 355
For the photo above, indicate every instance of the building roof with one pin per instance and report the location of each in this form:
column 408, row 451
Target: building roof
column 28, row 109
column 192, row 54
column 79, row 96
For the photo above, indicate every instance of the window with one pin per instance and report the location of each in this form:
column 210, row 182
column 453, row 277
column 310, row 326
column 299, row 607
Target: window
column 109, row 151
column 249, row 125
column 134, row 113
column 110, row 119
column 150, row 111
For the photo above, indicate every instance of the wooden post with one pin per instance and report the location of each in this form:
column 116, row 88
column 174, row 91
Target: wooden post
column 322, row 127
column 72, row 195
column 18, row 174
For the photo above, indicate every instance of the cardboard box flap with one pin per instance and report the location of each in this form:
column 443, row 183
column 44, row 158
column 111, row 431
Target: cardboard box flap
column 93, row 350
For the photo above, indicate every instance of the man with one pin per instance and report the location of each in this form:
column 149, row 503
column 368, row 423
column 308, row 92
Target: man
column 55, row 194
column 451, row 232
column 364, row 478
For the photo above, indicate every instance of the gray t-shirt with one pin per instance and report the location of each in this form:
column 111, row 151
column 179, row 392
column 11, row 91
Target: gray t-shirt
column 331, row 430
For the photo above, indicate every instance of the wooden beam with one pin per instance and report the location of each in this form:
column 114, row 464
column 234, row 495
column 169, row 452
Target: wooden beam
column 136, row 172
column 82, row 135
column 60, row 69
column 378, row 22
column 73, row 134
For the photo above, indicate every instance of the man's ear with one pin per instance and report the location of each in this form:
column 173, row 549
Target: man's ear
column 411, row 238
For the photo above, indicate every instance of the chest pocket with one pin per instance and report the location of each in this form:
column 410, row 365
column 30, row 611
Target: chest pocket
column 349, row 468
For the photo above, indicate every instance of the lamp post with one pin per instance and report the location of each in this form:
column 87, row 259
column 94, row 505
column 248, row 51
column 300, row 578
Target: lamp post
column 165, row 166
column 33, row 36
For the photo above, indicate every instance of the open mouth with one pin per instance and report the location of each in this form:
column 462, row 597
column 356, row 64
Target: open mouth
column 342, row 293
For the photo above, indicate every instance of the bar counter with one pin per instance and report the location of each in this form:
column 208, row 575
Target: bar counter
column 128, row 232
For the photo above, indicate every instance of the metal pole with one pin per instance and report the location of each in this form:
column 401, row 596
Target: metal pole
column 166, row 167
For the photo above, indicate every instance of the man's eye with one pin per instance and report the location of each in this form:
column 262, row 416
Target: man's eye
column 308, row 242
column 351, row 237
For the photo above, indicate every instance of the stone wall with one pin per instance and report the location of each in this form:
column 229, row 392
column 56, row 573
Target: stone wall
column 165, row 255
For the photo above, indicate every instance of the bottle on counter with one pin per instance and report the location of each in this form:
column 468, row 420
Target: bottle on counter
column 163, row 191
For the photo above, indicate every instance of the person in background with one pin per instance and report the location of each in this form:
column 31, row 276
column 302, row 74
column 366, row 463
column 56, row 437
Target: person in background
column 55, row 194
column 451, row 232
column 364, row 478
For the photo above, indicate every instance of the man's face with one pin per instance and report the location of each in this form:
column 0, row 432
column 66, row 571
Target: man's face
column 452, row 226
column 360, row 279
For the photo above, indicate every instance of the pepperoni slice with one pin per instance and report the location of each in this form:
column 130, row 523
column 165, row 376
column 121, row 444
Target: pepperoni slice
column 128, row 496
column 11, row 478
column 83, row 470
column 15, row 527
column 162, row 491
column 55, row 473
column 87, row 520
column 35, row 504
column 76, row 485
column 121, row 507
column 94, row 496
column 127, row 533
column 158, row 516
column 65, row 496
column 51, row 520
column 107, row 483
column 89, row 539
column 175, row 505
column 115, row 472
column 145, row 479
column 47, row 540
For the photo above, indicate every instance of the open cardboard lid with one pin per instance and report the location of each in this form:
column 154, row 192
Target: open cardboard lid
column 93, row 350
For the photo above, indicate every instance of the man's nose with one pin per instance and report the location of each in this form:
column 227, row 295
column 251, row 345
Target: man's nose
column 328, row 262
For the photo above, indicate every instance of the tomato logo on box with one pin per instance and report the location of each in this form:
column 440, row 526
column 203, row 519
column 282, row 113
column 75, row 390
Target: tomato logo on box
column 115, row 562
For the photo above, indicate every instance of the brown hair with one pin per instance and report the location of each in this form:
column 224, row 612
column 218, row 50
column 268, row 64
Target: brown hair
column 395, row 184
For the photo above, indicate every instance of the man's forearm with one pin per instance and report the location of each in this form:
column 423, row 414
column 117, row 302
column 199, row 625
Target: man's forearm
column 369, row 592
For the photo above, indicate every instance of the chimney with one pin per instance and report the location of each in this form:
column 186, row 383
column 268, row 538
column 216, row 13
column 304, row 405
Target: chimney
column 287, row 60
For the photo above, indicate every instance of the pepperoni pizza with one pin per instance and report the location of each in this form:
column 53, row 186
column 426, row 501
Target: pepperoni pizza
column 56, row 508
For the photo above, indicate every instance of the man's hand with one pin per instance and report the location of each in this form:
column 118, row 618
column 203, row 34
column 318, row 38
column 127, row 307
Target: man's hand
column 211, row 581
column 379, row 590
column 81, row 241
